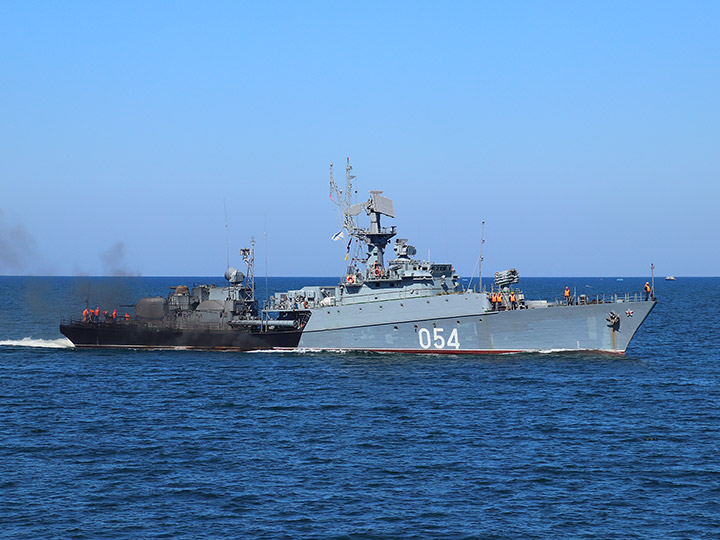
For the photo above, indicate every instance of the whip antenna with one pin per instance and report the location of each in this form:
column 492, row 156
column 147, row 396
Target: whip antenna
column 478, row 263
column 480, row 260
column 227, row 237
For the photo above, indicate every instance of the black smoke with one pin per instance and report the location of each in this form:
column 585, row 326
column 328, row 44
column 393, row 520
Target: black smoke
column 17, row 247
column 114, row 263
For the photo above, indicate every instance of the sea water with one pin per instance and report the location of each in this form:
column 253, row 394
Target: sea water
column 192, row 445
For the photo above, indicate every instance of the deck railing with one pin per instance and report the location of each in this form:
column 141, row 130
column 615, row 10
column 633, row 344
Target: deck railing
column 614, row 298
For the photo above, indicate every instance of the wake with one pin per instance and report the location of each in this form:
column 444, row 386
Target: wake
column 60, row 343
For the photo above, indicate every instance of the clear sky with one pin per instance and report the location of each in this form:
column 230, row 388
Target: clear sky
column 584, row 134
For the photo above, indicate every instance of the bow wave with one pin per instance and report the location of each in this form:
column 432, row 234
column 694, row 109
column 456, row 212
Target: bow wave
column 60, row 343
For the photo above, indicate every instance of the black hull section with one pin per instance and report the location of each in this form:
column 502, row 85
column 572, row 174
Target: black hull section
column 96, row 335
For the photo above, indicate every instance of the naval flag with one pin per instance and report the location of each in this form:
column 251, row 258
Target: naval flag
column 338, row 236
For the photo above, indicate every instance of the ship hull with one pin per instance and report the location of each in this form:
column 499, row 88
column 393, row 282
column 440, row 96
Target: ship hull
column 459, row 324
column 102, row 335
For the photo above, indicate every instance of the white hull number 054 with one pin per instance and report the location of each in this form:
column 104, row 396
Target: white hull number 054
column 437, row 340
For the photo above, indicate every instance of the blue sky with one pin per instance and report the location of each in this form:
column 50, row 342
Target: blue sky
column 585, row 136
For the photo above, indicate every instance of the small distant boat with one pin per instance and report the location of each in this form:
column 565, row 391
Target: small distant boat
column 619, row 279
column 670, row 278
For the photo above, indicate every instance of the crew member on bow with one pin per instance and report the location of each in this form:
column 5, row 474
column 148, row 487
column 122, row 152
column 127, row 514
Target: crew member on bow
column 647, row 290
column 567, row 295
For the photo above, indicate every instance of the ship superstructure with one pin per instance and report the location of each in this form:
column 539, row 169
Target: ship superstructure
column 405, row 304
column 201, row 317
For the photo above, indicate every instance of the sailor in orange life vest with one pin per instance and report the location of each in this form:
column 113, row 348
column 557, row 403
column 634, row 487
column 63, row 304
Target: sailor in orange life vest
column 85, row 315
column 513, row 300
column 567, row 295
column 647, row 290
column 493, row 301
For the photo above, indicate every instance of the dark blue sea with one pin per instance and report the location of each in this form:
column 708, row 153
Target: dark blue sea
column 201, row 445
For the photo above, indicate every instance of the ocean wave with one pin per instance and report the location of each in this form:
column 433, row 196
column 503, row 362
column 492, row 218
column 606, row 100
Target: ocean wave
column 299, row 350
column 60, row 343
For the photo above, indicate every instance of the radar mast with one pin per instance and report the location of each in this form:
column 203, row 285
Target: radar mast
column 248, row 255
column 343, row 199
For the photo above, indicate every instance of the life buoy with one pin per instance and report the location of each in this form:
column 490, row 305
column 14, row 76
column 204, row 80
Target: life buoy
column 378, row 271
column 306, row 304
column 351, row 279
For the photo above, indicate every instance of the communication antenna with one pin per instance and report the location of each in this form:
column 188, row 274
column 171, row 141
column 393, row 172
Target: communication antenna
column 227, row 238
column 348, row 184
column 480, row 260
column 652, row 278
column 267, row 294
column 248, row 255
column 478, row 264
column 343, row 200
column 333, row 185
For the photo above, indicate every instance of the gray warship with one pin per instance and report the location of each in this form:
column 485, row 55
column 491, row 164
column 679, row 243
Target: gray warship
column 403, row 304
column 202, row 317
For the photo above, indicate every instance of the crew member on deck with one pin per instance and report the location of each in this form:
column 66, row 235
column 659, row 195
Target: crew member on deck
column 647, row 290
column 97, row 314
column 86, row 311
column 567, row 295
column 127, row 317
column 513, row 300
column 494, row 300
column 115, row 315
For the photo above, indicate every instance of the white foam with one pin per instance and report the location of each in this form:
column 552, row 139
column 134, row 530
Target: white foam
column 299, row 350
column 60, row 343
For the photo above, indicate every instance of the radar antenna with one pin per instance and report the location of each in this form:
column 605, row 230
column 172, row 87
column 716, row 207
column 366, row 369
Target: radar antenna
column 248, row 256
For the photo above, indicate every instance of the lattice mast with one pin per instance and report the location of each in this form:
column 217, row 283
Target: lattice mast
column 343, row 198
column 248, row 256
